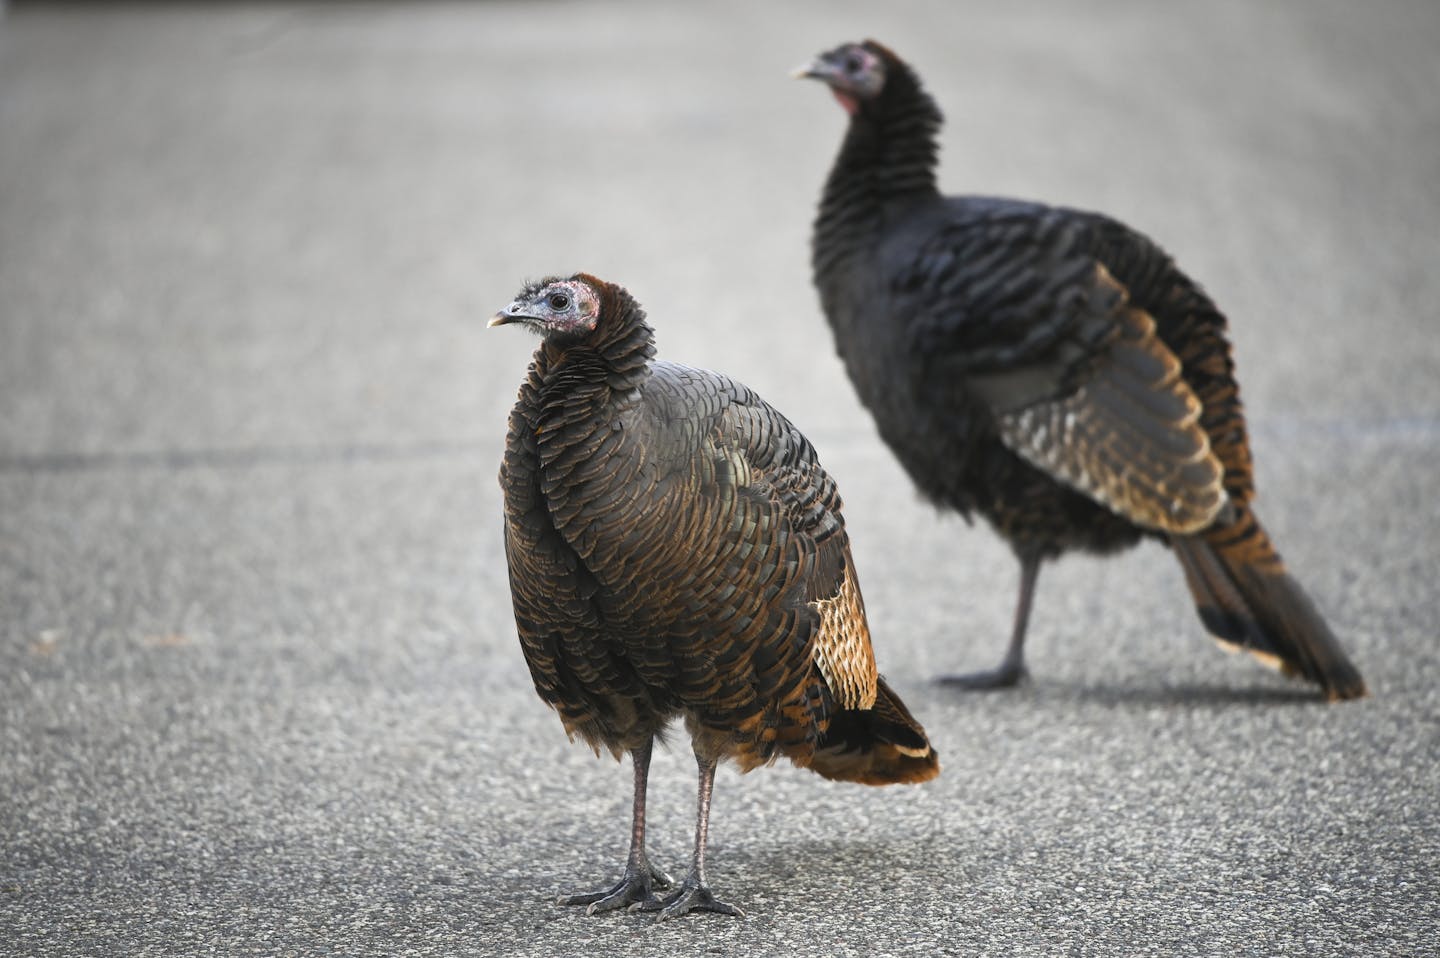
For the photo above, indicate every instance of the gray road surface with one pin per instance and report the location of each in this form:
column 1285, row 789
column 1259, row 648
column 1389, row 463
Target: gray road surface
column 259, row 686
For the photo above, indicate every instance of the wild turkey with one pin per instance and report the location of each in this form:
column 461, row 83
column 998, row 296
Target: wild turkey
column 676, row 551
column 1049, row 369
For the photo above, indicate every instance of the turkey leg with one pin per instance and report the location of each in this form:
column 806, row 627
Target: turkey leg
column 637, row 884
column 694, row 893
column 1011, row 668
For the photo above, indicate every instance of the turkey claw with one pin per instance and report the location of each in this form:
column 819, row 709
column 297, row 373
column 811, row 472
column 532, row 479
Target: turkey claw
column 635, row 889
column 691, row 896
column 1003, row 677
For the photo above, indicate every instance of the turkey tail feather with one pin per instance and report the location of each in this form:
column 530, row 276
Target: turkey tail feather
column 1248, row 600
column 883, row 745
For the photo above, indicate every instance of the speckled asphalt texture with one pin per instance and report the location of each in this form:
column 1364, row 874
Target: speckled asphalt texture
column 260, row 692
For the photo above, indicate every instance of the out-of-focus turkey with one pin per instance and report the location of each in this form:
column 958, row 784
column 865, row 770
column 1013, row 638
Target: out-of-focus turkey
column 1049, row 369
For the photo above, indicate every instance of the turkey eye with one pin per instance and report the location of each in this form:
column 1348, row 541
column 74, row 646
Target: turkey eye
column 853, row 63
column 559, row 301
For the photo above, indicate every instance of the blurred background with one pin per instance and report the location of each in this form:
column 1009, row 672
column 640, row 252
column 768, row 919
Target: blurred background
column 258, row 675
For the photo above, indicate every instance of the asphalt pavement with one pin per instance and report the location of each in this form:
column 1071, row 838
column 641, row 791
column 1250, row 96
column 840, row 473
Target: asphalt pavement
column 260, row 692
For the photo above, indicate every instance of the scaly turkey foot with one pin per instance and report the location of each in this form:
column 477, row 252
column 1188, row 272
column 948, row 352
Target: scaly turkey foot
column 691, row 896
column 1002, row 677
column 636, row 888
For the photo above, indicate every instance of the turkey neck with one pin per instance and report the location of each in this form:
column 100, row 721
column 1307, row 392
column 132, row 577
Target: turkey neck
column 885, row 170
column 886, row 164
column 578, row 379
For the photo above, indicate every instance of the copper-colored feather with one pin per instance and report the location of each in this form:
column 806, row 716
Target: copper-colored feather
column 1130, row 435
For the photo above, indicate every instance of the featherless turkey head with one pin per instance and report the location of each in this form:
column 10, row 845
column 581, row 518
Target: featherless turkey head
column 855, row 72
column 558, row 309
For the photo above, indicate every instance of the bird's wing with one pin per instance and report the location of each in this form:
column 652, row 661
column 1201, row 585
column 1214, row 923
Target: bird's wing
column 1128, row 435
column 1015, row 310
column 784, row 463
column 1195, row 330
column 759, row 542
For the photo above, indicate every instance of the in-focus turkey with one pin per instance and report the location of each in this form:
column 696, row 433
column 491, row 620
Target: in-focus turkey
column 676, row 552
column 1049, row 369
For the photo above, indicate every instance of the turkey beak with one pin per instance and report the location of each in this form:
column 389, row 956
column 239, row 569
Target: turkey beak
column 514, row 313
column 821, row 68
column 814, row 70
